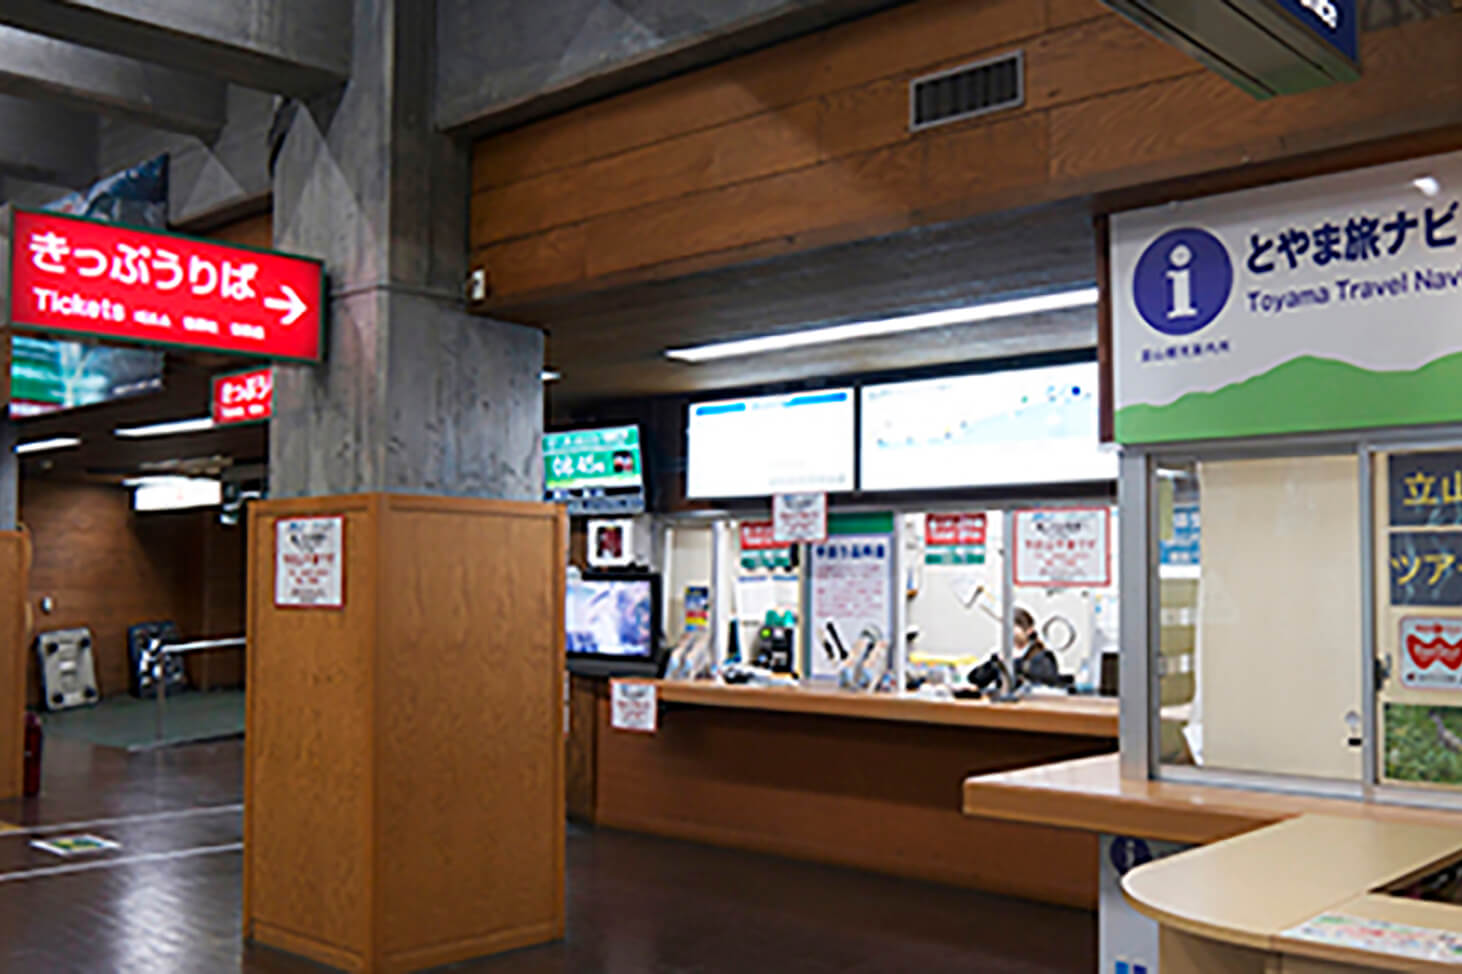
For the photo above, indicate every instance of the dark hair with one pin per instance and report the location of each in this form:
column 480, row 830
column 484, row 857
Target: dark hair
column 1024, row 620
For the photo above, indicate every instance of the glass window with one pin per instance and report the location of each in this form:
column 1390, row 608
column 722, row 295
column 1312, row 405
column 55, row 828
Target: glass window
column 1418, row 518
column 1259, row 595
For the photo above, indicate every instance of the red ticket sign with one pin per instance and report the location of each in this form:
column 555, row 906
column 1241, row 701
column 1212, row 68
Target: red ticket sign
column 244, row 397
column 946, row 530
column 759, row 536
column 82, row 277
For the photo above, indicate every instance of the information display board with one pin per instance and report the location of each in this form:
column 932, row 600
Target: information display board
column 769, row 445
column 595, row 471
column 1024, row 426
column 243, row 397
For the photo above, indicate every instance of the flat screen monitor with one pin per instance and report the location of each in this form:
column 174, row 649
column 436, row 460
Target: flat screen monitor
column 1021, row 426
column 48, row 376
column 771, row 445
column 613, row 616
column 595, row 471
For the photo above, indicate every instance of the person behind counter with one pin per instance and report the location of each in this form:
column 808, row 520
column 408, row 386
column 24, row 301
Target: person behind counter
column 1033, row 662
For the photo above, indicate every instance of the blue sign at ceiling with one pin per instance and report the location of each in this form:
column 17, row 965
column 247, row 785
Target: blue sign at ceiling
column 1336, row 22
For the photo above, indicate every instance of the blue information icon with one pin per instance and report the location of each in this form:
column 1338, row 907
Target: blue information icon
column 1183, row 281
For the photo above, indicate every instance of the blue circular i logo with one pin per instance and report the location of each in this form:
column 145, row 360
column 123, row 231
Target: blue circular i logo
column 1183, row 280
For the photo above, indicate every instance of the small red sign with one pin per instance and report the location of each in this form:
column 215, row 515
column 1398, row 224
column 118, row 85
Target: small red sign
column 82, row 277
column 759, row 536
column 948, row 530
column 243, row 397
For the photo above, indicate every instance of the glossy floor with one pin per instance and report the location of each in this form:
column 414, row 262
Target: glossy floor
column 168, row 899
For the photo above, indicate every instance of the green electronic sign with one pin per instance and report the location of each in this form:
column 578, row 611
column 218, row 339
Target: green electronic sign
column 585, row 463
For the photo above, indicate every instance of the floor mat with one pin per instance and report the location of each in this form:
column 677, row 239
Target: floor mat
column 129, row 723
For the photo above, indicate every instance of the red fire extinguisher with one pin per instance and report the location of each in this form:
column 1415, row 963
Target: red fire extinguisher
column 34, row 738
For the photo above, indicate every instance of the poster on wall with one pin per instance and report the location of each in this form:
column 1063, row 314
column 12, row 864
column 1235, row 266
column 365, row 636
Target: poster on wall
column 1426, row 568
column 697, row 608
column 955, row 539
column 1431, row 653
column 1063, row 547
column 1256, row 312
column 1425, row 488
column 1183, row 548
column 309, row 562
column 852, row 597
column 1423, row 744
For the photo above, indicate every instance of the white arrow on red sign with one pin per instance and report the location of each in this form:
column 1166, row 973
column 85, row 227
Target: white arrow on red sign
column 290, row 304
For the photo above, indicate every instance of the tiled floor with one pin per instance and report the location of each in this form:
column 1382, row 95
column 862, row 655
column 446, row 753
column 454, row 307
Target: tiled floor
column 169, row 899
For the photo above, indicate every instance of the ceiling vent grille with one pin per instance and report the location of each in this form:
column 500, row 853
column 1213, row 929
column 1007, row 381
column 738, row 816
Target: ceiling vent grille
column 969, row 90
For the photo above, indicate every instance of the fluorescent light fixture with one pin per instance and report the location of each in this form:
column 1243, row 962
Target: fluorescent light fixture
column 200, row 425
column 1057, row 301
column 174, row 493
column 44, row 446
column 1427, row 185
column 550, row 375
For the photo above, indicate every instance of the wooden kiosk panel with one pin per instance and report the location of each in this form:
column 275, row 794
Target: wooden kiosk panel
column 404, row 777
column 14, row 567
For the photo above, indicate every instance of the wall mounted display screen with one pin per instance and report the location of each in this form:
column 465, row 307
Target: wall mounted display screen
column 612, row 615
column 1023, row 426
column 47, row 376
column 595, row 471
column 771, row 445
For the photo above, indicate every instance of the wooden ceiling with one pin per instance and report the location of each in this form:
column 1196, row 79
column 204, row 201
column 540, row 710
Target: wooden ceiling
column 610, row 344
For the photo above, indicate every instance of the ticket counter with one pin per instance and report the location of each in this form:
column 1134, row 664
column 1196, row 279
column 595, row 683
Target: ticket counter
column 852, row 780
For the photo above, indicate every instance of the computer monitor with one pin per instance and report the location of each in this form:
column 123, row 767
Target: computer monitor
column 612, row 621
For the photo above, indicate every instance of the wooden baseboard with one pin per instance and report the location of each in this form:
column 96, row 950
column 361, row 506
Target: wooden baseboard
column 437, row 955
column 271, row 935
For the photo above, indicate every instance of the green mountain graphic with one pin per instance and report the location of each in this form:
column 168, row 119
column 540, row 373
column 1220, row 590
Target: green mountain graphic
column 1304, row 394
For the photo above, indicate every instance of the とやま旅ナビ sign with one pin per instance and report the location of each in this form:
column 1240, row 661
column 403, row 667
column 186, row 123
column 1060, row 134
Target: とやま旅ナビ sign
column 102, row 280
column 1332, row 303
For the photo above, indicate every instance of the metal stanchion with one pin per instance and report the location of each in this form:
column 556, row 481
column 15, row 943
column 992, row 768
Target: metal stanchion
column 158, row 654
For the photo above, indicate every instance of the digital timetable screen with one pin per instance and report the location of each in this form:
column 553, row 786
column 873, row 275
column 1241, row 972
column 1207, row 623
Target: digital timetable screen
column 771, row 445
column 1023, row 426
column 595, row 471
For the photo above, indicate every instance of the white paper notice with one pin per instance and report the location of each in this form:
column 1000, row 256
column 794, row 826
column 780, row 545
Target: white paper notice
column 632, row 707
column 1056, row 547
column 309, row 562
column 799, row 518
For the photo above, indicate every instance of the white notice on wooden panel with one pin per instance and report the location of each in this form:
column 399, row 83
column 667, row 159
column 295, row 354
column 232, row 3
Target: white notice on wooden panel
column 632, row 707
column 309, row 562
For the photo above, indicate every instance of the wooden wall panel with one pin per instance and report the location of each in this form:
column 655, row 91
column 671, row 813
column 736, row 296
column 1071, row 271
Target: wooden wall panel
column 470, row 842
column 404, row 791
column 108, row 568
column 866, row 794
column 806, row 144
column 580, row 747
column 14, row 554
column 309, row 777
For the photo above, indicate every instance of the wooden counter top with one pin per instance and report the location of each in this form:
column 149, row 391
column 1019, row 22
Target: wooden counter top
column 1250, row 890
column 1090, row 794
column 1073, row 716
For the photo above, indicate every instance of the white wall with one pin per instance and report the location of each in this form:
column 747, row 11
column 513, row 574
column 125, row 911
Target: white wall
column 1279, row 626
column 690, row 564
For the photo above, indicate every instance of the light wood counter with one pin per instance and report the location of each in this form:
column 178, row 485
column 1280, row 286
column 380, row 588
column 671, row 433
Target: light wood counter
column 1072, row 716
column 1090, row 794
column 1241, row 895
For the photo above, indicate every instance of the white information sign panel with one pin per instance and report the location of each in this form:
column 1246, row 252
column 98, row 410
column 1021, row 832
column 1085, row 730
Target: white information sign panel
column 309, row 562
column 1431, row 653
column 1321, row 304
column 852, row 591
column 799, row 518
column 633, row 707
column 1066, row 547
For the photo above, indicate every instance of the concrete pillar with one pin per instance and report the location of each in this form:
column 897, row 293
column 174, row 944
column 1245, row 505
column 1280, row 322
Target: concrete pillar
column 416, row 395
